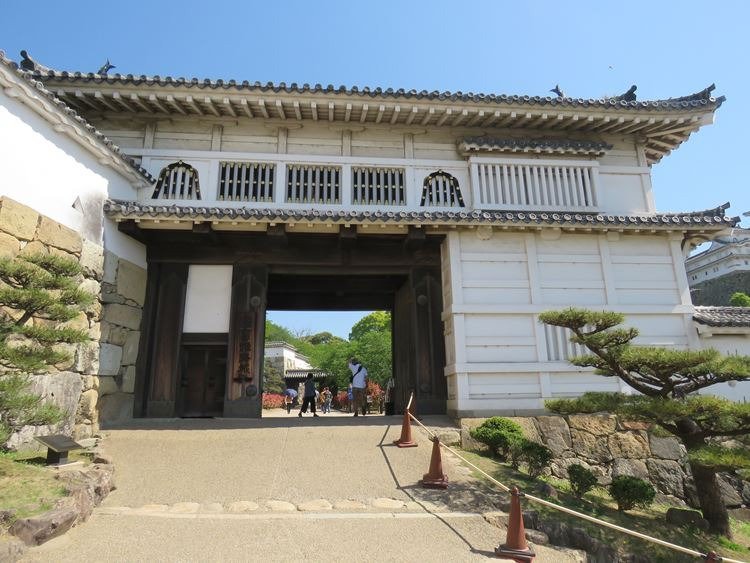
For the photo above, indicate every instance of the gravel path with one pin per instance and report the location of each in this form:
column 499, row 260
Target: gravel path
column 332, row 488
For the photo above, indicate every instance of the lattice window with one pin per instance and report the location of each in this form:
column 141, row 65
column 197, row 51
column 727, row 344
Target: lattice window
column 559, row 346
column 381, row 186
column 246, row 181
column 440, row 189
column 313, row 184
column 177, row 181
column 520, row 185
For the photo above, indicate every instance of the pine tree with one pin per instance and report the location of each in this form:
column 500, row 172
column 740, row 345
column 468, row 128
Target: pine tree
column 38, row 294
column 664, row 378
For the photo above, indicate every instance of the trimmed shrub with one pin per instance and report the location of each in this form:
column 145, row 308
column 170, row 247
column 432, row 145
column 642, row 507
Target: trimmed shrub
column 536, row 457
column 497, row 433
column 630, row 492
column 582, row 480
column 516, row 451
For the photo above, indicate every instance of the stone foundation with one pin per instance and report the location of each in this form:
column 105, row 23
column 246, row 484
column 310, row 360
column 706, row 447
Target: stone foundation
column 611, row 447
column 103, row 366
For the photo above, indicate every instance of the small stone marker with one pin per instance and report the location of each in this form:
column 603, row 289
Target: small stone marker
column 58, row 446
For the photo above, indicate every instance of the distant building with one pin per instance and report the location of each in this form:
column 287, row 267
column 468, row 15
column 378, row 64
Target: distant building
column 292, row 365
column 726, row 329
column 721, row 270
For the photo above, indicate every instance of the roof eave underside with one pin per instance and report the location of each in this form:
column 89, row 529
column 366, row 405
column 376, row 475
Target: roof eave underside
column 663, row 124
column 699, row 222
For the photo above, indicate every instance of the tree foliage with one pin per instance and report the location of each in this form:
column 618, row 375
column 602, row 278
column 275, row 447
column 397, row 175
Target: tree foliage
column 377, row 322
column 740, row 299
column 664, row 378
column 39, row 293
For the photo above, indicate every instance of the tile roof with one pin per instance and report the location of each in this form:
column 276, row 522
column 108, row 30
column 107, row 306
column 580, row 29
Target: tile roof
column 723, row 316
column 700, row 219
column 64, row 109
column 550, row 146
column 697, row 100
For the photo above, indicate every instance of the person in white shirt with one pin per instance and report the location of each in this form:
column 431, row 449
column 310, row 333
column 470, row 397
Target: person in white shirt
column 359, row 386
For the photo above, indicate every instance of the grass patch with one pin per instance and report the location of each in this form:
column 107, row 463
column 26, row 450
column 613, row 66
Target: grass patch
column 597, row 503
column 26, row 487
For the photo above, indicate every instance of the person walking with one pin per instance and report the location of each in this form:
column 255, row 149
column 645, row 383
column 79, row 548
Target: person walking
column 327, row 397
column 309, row 397
column 359, row 386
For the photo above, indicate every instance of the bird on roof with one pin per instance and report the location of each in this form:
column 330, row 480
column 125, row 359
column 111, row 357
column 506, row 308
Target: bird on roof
column 27, row 63
column 105, row 68
column 556, row 90
column 628, row 96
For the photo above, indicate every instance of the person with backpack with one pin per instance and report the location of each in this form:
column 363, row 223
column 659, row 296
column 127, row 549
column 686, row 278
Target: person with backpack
column 358, row 380
column 309, row 397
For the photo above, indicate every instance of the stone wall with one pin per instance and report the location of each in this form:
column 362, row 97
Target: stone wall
column 717, row 291
column 105, row 364
column 610, row 447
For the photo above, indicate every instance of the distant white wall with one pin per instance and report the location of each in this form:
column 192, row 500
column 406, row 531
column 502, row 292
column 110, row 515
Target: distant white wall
column 208, row 299
column 54, row 175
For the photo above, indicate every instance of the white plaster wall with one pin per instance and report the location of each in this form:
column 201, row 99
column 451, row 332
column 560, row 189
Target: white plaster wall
column 49, row 171
column 208, row 299
column 497, row 351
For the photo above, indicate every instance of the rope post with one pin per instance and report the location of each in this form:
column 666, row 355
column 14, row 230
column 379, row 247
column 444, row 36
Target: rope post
column 435, row 478
column 406, row 441
column 515, row 546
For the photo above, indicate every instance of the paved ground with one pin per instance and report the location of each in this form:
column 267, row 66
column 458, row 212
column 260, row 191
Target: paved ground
column 332, row 488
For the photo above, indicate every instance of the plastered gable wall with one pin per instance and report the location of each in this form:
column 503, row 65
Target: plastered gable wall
column 51, row 173
column 500, row 282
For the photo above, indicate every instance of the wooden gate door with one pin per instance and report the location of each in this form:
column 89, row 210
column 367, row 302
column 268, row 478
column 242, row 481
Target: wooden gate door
column 203, row 378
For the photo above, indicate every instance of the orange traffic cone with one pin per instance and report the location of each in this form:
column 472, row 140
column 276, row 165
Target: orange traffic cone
column 435, row 478
column 712, row 556
column 405, row 441
column 515, row 546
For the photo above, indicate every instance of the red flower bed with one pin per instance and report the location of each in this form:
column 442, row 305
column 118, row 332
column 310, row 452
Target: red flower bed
column 273, row 401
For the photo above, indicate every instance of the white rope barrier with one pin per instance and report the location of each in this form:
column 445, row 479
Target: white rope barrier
column 573, row 512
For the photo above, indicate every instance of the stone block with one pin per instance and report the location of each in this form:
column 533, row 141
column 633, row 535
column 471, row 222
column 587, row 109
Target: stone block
column 597, row 424
column 107, row 386
column 59, row 236
column 590, row 446
column 449, row 437
column 130, row 349
column 110, row 267
column 87, row 405
column 118, row 335
column 110, row 359
column 686, row 517
column 92, row 260
column 633, row 445
column 91, row 286
column 528, row 427
column 115, row 408
column 666, row 476
column 39, row 529
column 666, row 448
column 128, row 380
column 18, row 220
column 123, row 315
column 34, row 247
column 87, row 358
column 131, row 282
column 555, row 433
column 731, row 489
column 631, row 467
column 316, row 505
column 9, row 245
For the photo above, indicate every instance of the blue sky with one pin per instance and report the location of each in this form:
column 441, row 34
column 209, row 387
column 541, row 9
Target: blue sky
column 590, row 48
